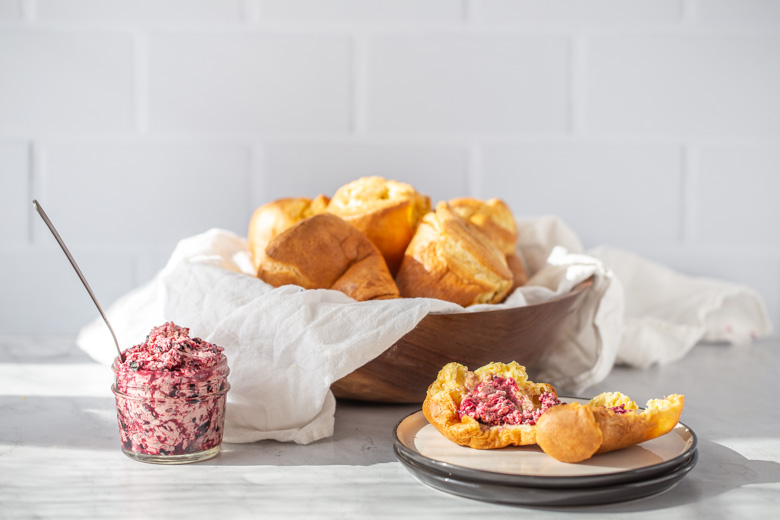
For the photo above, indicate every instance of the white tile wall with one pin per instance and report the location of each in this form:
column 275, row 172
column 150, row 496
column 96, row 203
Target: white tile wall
column 43, row 295
column 307, row 169
column 722, row 84
column 732, row 195
column 619, row 194
column 652, row 125
column 14, row 191
column 730, row 12
column 466, row 84
column 129, row 195
column 577, row 12
column 140, row 11
column 219, row 82
column 61, row 81
column 361, row 11
column 10, row 10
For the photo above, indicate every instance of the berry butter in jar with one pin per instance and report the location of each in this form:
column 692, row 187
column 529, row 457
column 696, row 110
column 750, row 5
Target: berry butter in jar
column 170, row 397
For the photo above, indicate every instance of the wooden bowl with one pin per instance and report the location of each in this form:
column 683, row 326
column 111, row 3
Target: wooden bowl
column 403, row 372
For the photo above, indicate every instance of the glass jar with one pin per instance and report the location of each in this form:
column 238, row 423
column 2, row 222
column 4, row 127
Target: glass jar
column 170, row 417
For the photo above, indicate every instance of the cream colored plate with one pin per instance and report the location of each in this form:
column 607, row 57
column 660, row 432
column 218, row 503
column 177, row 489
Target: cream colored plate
column 416, row 438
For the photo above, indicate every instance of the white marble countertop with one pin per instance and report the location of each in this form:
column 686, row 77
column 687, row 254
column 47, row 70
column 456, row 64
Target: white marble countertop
column 60, row 456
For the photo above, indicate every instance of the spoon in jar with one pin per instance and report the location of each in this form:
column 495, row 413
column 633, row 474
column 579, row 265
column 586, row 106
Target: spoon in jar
column 57, row 236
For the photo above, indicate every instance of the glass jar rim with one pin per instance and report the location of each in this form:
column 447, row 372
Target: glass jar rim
column 218, row 393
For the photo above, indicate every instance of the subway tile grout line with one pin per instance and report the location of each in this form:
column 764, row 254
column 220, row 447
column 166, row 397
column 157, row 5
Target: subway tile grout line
column 397, row 138
column 29, row 10
column 470, row 11
column 250, row 11
column 688, row 13
column 251, row 21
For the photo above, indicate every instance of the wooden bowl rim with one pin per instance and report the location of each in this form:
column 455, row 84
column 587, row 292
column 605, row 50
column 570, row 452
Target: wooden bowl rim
column 577, row 289
column 369, row 382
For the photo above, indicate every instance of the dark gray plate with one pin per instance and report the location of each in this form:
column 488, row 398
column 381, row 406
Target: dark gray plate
column 409, row 427
column 544, row 497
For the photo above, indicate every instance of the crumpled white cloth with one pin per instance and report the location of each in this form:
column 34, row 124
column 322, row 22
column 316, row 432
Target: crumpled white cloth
column 666, row 313
column 286, row 346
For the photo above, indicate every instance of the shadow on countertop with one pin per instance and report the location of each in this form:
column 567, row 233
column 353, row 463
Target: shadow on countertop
column 363, row 432
column 719, row 470
column 363, row 435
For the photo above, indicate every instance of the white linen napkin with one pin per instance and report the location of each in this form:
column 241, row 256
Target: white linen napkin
column 667, row 313
column 286, row 346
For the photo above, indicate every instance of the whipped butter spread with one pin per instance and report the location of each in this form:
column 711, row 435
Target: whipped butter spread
column 498, row 401
column 170, row 393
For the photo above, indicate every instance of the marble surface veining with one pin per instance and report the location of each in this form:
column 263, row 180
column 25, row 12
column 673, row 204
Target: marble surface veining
column 60, row 457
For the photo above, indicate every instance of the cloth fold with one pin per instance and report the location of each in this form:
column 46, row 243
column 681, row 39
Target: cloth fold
column 286, row 346
column 667, row 313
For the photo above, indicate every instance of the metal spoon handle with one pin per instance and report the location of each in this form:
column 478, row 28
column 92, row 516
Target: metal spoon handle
column 57, row 236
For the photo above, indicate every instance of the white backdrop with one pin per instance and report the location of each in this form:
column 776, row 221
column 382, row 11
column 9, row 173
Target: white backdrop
column 653, row 125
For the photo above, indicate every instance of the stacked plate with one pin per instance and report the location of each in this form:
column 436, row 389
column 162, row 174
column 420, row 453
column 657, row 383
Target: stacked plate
column 527, row 476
